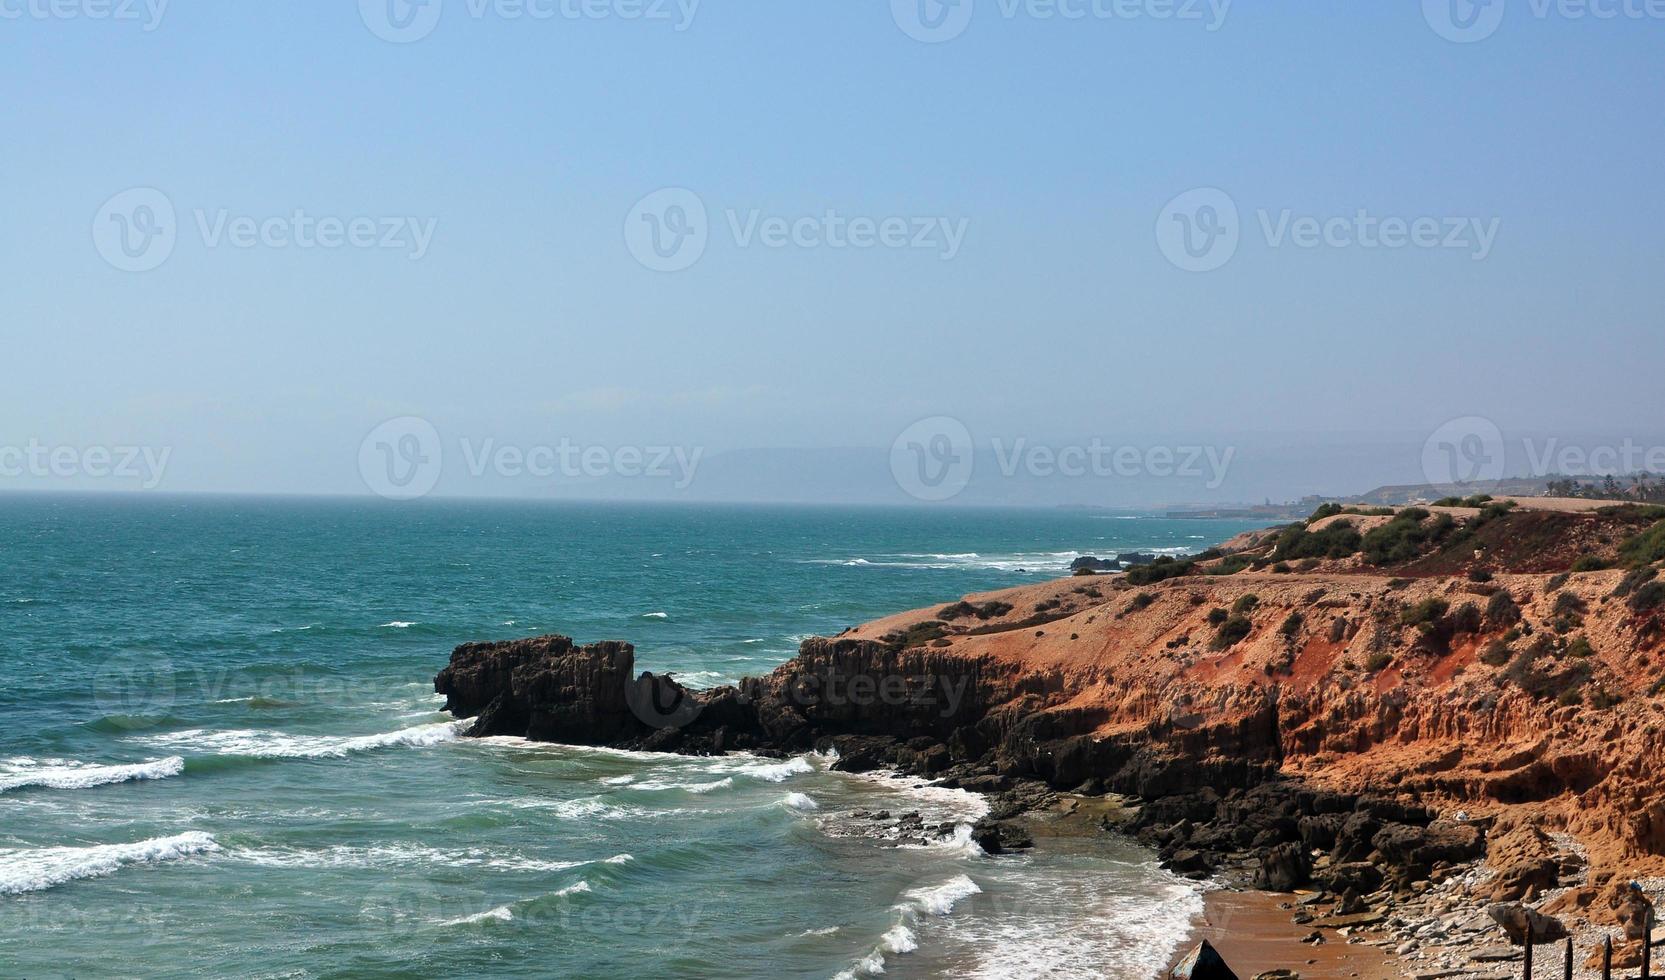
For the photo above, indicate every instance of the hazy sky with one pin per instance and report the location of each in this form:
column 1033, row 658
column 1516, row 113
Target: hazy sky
column 1034, row 286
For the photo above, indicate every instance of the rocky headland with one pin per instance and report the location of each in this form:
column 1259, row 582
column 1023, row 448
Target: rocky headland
column 1429, row 726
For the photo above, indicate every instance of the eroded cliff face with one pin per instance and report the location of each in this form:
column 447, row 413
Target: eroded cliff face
column 1515, row 698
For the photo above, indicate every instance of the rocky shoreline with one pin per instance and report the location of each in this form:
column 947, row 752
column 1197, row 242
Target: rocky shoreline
column 1424, row 759
column 1381, row 866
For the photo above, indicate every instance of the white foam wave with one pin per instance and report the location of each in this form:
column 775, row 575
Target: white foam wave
column 386, row 856
column 1031, row 561
column 280, row 745
column 656, row 615
column 778, row 772
column 958, row 844
column 913, row 905
column 500, row 914
column 27, row 870
column 624, row 780
column 578, row 889
column 69, row 774
column 942, row 804
column 397, row 624
column 898, row 939
column 1132, row 928
column 654, row 785
column 798, row 801
column 938, row 900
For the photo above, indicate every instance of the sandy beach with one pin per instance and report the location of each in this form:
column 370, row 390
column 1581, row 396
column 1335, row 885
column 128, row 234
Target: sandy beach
column 1253, row 932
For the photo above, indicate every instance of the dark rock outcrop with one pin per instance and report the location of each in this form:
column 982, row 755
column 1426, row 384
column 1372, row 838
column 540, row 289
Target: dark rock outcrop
column 1213, row 799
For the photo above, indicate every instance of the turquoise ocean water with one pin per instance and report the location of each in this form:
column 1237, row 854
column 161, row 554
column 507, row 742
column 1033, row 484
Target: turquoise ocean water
column 221, row 753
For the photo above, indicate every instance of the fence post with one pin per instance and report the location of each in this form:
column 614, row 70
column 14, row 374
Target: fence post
column 1647, row 944
column 1607, row 959
column 1566, row 970
column 1529, row 938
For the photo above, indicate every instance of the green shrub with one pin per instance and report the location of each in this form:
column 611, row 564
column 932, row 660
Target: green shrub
column 1217, row 616
column 1425, row 614
column 1633, row 580
column 1496, row 654
column 916, row 635
column 1556, row 582
column 1479, row 575
column 1501, row 611
column 1232, row 631
column 1403, row 538
column 983, row 610
column 1647, row 547
column 1589, row 563
column 1569, row 604
column 1335, row 541
column 1467, row 619
column 1378, row 662
column 1648, row 598
column 1398, row 583
column 1580, row 647
column 1231, row 566
column 1161, row 570
column 1245, row 604
column 1141, row 601
column 1282, row 568
column 1292, row 625
column 1323, row 511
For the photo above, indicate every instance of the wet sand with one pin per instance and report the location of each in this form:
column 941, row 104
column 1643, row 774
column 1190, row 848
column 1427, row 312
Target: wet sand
column 1255, row 935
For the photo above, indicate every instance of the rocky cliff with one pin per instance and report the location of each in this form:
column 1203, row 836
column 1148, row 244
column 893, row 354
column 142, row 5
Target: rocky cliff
column 1389, row 705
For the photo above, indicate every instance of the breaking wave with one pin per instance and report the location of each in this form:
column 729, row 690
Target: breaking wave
column 28, row 870
column 69, row 774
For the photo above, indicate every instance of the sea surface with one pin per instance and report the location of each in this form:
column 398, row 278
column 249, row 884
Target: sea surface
column 221, row 753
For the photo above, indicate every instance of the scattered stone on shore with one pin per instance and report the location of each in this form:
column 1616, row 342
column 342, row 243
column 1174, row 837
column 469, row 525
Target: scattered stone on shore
column 1518, row 919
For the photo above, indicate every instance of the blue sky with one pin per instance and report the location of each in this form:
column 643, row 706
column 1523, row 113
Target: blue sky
column 1051, row 145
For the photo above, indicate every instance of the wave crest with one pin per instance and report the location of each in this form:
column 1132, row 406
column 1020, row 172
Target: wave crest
column 21, row 774
column 37, row 869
